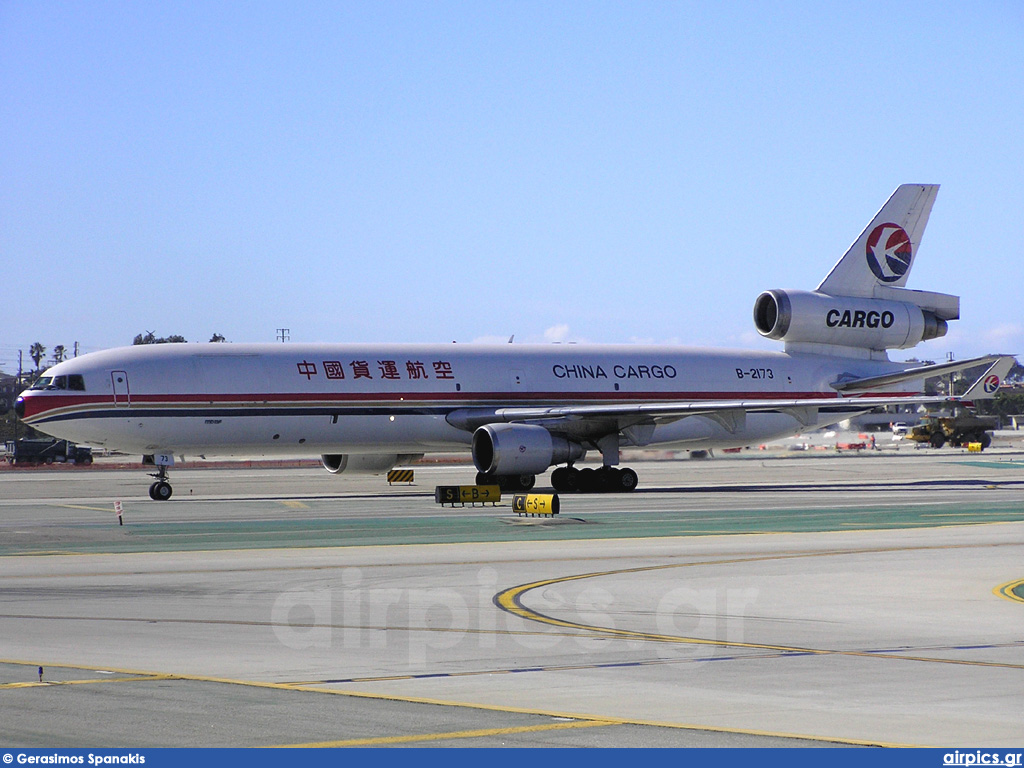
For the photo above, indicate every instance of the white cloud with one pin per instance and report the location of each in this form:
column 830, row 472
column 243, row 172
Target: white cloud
column 557, row 333
column 1007, row 333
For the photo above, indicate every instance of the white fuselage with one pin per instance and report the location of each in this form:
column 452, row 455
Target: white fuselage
column 309, row 399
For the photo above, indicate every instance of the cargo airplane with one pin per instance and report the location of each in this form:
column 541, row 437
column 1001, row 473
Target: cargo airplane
column 521, row 409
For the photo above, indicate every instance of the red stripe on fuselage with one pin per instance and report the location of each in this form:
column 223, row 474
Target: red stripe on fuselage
column 39, row 404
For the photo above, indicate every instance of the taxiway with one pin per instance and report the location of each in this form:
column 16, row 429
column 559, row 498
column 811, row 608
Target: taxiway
column 871, row 599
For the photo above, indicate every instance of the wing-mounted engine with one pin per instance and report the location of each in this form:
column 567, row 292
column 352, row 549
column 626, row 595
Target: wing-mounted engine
column 841, row 321
column 520, row 449
column 365, row 463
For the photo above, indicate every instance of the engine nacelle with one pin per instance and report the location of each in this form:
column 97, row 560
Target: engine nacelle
column 816, row 318
column 365, row 463
column 520, row 449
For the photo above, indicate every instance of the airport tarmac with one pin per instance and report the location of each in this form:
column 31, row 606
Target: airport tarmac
column 797, row 600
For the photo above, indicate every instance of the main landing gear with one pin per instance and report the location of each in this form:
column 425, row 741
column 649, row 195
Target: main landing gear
column 588, row 480
column 568, row 480
column 161, row 489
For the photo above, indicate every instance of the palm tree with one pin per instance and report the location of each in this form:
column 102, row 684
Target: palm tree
column 36, row 352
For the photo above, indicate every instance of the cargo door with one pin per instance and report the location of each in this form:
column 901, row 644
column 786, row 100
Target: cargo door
column 122, row 396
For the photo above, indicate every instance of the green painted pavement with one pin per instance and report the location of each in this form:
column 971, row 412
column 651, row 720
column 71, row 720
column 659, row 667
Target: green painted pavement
column 313, row 527
column 993, row 464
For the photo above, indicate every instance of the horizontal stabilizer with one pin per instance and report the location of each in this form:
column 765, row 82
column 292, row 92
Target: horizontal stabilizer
column 921, row 372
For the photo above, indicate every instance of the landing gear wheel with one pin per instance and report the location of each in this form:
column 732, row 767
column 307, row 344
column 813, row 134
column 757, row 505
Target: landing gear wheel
column 628, row 480
column 612, row 480
column 160, row 491
column 603, row 480
column 560, row 479
column 566, row 480
column 587, row 480
column 517, row 482
column 607, row 479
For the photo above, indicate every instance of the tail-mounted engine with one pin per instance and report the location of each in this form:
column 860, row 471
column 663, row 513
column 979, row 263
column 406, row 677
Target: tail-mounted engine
column 805, row 317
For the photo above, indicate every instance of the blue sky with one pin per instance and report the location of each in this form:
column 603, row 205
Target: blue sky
column 439, row 171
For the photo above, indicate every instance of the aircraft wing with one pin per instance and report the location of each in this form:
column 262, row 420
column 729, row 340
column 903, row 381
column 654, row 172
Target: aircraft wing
column 797, row 407
column 591, row 421
column 586, row 421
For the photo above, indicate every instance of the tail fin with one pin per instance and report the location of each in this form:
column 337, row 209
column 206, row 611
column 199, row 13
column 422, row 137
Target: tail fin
column 987, row 385
column 884, row 253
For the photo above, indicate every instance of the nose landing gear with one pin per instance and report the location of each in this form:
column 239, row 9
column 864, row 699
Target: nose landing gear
column 161, row 489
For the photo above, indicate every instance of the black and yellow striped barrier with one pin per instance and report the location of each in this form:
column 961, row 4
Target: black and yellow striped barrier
column 467, row 494
column 541, row 504
column 400, row 476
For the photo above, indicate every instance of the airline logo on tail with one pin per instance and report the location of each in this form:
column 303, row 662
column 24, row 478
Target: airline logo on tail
column 889, row 252
column 991, row 384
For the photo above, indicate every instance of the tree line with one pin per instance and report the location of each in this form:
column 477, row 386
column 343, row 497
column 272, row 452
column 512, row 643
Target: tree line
column 60, row 353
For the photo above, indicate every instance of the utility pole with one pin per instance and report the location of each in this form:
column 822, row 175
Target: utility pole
column 283, row 334
column 19, row 386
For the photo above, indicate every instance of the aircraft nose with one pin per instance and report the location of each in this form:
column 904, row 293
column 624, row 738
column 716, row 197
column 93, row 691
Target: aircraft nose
column 19, row 407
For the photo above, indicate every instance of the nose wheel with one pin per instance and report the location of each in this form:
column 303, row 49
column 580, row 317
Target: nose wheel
column 161, row 489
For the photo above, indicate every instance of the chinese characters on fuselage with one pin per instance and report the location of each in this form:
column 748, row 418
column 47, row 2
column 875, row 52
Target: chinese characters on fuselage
column 412, row 370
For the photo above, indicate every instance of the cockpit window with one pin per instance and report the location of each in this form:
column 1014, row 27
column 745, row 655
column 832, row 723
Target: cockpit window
column 74, row 381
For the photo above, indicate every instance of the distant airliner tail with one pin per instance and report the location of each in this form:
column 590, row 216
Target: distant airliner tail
column 987, row 385
column 884, row 253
